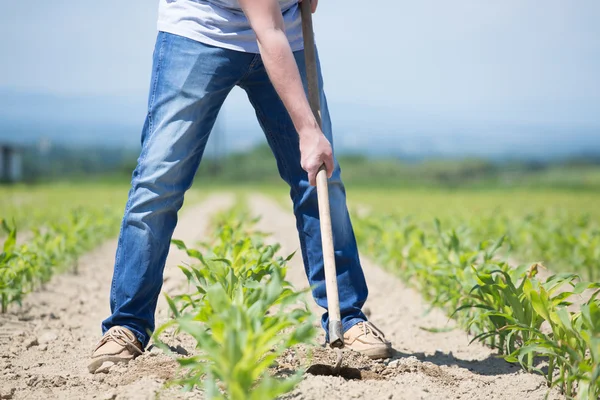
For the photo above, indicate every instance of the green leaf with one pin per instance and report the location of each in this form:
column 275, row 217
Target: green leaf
column 437, row 330
column 172, row 306
column 223, row 260
column 539, row 305
column 11, row 240
column 186, row 272
column 179, row 244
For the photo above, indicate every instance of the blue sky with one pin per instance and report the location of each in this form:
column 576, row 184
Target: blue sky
column 475, row 61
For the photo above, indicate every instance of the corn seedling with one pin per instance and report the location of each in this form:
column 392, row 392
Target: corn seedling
column 505, row 307
column 242, row 314
column 52, row 248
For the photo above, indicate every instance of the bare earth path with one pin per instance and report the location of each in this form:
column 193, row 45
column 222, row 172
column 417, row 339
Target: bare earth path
column 44, row 346
column 431, row 365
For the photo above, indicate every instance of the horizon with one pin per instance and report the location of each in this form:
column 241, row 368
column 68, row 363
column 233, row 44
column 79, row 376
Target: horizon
column 414, row 137
column 427, row 74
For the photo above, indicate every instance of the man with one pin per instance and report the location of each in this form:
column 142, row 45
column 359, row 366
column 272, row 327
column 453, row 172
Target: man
column 205, row 48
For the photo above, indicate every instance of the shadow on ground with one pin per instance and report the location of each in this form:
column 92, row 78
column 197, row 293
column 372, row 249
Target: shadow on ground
column 490, row 366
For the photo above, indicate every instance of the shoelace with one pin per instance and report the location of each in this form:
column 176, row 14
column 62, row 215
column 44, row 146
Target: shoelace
column 121, row 337
column 368, row 327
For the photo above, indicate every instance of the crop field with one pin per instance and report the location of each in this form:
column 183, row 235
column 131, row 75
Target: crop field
column 483, row 293
column 560, row 229
column 521, row 275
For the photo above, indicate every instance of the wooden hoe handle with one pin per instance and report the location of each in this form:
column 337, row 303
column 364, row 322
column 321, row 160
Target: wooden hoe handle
column 333, row 301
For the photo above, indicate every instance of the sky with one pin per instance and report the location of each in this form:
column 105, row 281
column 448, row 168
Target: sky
column 386, row 63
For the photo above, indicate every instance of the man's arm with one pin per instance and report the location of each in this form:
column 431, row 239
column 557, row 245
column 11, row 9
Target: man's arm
column 267, row 21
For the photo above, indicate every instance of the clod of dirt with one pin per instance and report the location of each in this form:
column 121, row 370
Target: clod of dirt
column 414, row 365
column 29, row 343
column 161, row 367
column 393, row 364
column 105, row 367
column 32, row 380
column 7, row 393
column 110, row 395
column 47, row 337
column 320, row 361
column 57, row 381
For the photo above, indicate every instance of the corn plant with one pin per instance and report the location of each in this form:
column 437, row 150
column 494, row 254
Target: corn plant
column 242, row 314
column 569, row 346
column 499, row 302
column 505, row 307
column 589, row 369
column 52, row 248
column 9, row 285
column 570, row 242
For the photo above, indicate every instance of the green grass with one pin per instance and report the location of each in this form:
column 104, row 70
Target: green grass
column 61, row 222
column 34, row 205
column 487, row 213
column 559, row 228
column 467, row 203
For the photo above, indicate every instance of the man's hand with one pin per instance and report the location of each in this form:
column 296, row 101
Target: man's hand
column 315, row 150
column 313, row 5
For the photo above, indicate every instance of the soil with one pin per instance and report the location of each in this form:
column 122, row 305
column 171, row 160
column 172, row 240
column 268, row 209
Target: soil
column 45, row 344
column 425, row 365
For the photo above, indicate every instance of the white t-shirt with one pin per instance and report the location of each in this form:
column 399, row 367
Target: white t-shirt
column 222, row 23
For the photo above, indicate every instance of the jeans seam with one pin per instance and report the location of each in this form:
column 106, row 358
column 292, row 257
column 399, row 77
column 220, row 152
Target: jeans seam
column 155, row 85
column 143, row 155
column 249, row 71
column 270, row 135
column 118, row 255
column 349, row 324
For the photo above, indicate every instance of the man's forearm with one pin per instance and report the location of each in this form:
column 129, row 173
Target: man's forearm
column 267, row 22
column 284, row 74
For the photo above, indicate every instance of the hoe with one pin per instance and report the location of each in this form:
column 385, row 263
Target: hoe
column 336, row 340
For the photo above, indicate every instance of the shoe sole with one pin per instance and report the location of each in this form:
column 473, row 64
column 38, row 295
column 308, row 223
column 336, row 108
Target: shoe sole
column 376, row 353
column 97, row 362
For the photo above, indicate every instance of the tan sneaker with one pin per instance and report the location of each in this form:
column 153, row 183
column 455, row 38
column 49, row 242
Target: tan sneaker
column 119, row 344
column 365, row 338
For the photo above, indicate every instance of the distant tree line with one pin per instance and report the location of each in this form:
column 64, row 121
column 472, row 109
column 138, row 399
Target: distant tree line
column 258, row 166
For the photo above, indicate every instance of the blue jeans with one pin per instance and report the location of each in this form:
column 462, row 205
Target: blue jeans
column 190, row 81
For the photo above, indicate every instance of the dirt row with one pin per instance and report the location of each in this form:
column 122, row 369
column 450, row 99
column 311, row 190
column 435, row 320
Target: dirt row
column 45, row 345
